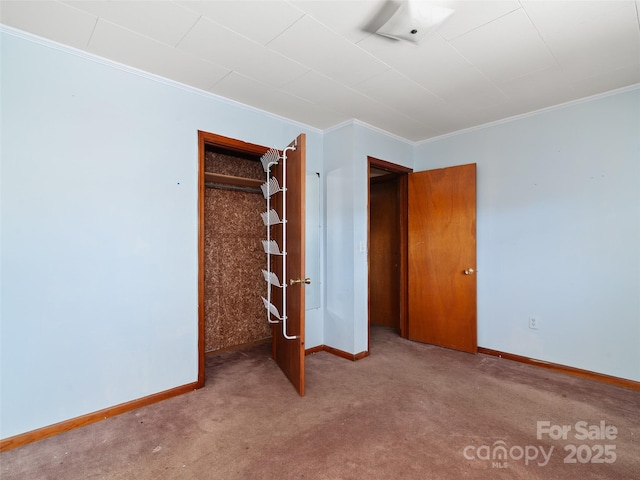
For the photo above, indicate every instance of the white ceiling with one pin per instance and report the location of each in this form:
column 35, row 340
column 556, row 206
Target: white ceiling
column 316, row 63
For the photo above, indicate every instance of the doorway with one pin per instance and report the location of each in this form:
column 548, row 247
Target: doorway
column 384, row 250
column 213, row 150
column 282, row 186
column 234, row 317
column 422, row 253
column 388, row 245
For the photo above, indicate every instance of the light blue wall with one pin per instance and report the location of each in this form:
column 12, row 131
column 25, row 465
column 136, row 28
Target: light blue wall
column 99, row 229
column 98, row 178
column 346, row 150
column 339, row 243
column 558, row 232
column 368, row 143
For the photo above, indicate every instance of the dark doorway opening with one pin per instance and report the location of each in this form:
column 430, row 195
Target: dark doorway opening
column 388, row 245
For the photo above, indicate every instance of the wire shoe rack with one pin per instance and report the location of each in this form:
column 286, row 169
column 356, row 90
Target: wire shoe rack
column 271, row 247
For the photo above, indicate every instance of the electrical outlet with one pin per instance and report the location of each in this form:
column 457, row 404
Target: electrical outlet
column 533, row 323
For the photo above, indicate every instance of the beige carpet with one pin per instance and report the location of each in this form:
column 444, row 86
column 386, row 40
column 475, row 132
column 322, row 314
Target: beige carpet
column 408, row 411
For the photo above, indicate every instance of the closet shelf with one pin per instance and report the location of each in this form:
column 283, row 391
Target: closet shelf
column 218, row 178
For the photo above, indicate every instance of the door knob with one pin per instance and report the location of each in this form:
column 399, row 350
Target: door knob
column 299, row 280
column 469, row 271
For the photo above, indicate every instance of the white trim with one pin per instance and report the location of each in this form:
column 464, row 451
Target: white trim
column 338, row 126
column 383, row 132
column 360, row 123
column 354, row 121
column 150, row 76
column 533, row 113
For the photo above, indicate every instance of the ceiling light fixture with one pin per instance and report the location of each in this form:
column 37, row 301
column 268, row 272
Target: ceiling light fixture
column 413, row 20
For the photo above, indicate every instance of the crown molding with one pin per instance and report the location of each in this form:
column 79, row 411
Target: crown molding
column 150, row 76
column 533, row 113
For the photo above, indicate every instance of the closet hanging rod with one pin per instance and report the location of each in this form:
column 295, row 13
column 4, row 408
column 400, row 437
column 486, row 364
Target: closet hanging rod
column 220, row 186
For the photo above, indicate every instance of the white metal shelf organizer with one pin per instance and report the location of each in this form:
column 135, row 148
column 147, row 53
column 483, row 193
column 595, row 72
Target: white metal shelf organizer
column 271, row 247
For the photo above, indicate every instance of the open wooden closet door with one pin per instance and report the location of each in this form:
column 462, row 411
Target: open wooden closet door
column 288, row 262
column 442, row 257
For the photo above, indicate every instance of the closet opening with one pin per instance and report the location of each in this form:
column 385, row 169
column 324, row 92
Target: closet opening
column 231, row 256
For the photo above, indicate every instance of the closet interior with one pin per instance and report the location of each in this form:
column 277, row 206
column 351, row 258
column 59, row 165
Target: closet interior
column 234, row 257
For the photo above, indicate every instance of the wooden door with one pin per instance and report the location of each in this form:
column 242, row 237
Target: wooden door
column 442, row 257
column 384, row 253
column 289, row 352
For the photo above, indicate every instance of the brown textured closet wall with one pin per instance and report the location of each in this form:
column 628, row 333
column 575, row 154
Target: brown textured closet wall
column 234, row 257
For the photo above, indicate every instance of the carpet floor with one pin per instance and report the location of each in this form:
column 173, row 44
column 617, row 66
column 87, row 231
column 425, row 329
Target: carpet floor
column 408, row 411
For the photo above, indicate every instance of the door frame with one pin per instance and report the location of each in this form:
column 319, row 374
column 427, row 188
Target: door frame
column 235, row 146
column 399, row 172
